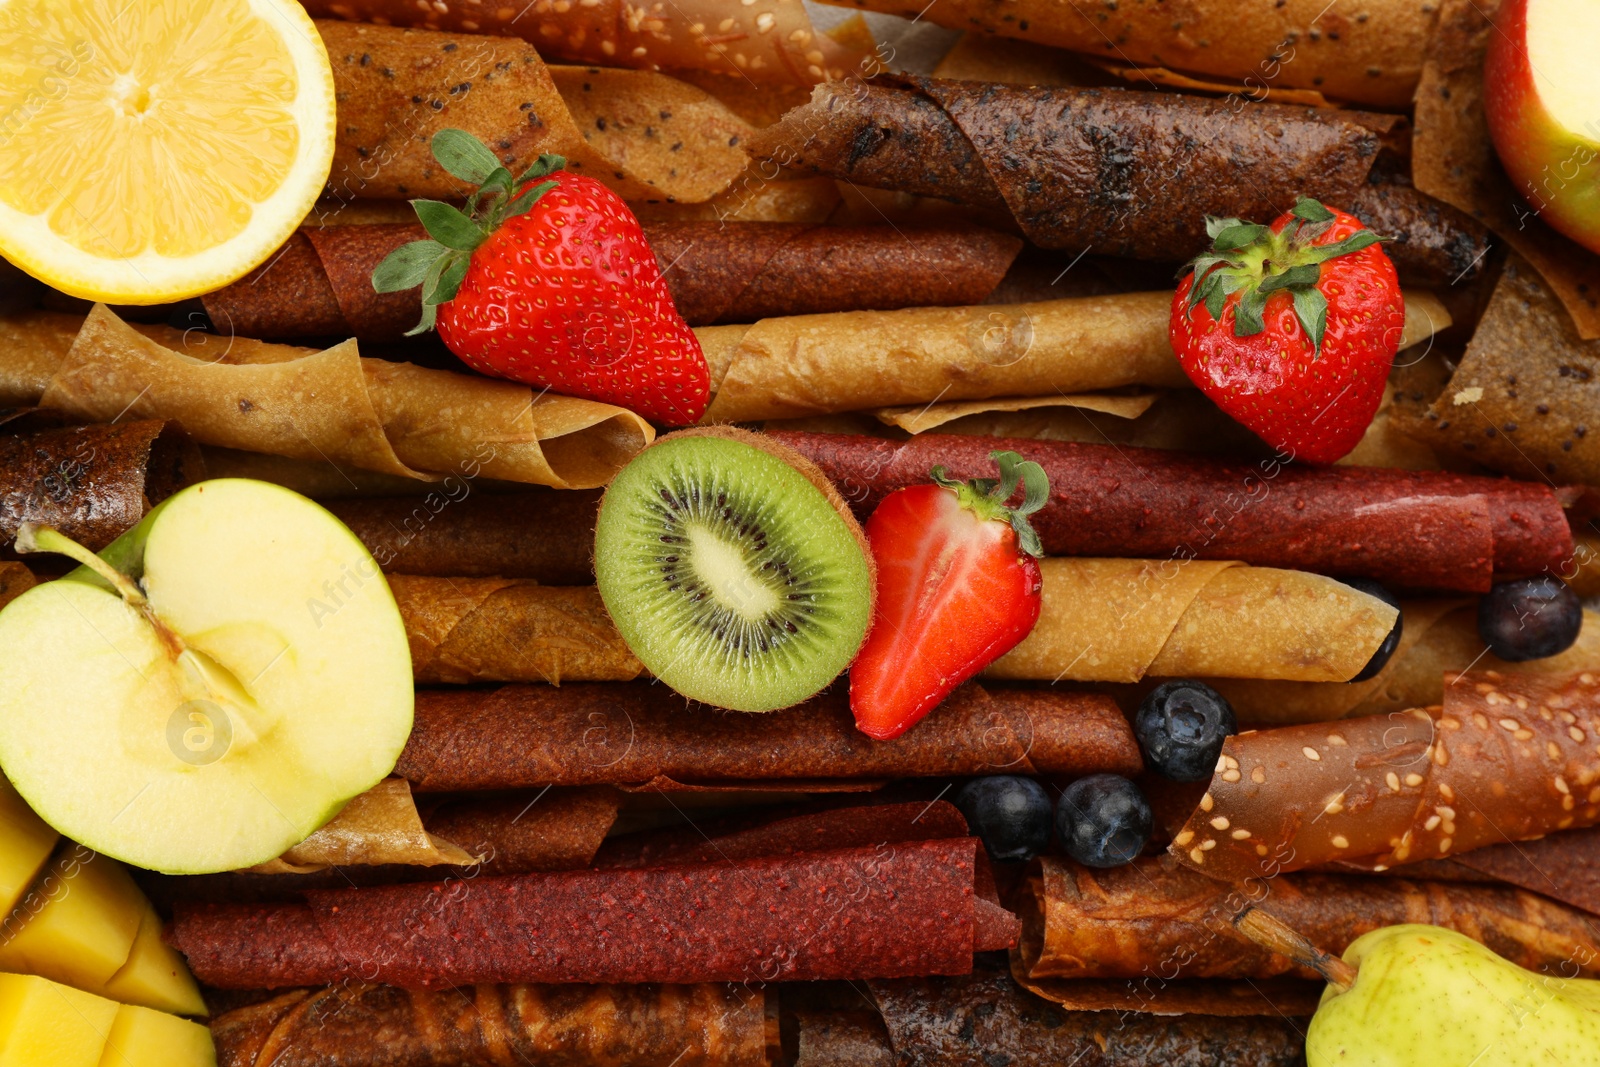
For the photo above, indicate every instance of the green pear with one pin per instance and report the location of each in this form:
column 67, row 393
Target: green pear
column 210, row 689
column 1429, row 997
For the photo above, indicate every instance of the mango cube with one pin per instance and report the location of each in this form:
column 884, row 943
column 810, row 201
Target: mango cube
column 25, row 845
column 77, row 924
column 45, row 1024
column 155, row 976
column 144, row 1038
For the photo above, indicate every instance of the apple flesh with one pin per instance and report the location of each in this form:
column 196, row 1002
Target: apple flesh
column 212, row 689
column 1542, row 99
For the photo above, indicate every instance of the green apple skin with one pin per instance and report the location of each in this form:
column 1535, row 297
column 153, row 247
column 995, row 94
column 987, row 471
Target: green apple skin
column 1542, row 100
column 1429, row 997
column 297, row 662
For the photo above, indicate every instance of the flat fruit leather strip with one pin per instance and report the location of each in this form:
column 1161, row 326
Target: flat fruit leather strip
column 89, row 482
column 1522, row 400
column 907, row 909
column 974, row 1020
column 1288, row 997
column 320, row 282
column 396, row 88
column 1438, row 641
column 334, row 406
column 606, row 732
column 1453, row 160
column 508, row 630
column 803, row 365
column 1158, row 919
column 924, row 417
column 380, row 826
column 1417, row 529
column 1564, row 866
column 1370, row 58
column 542, row 535
column 362, row 1025
column 1117, row 620
column 1507, row 758
column 1122, row 172
column 764, row 42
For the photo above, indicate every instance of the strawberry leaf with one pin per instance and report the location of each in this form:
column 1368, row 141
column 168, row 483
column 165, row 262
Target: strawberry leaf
column 527, row 199
column 1247, row 321
column 1311, row 308
column 544, row 166
column 1354, row 243
column 1304, row 274
column 463, row 155
column 1215, row 225
column 406, row 267
column 1309, row 210
column 1239, row 235
column 448, row 225
column 430, row 316
column 450, row 278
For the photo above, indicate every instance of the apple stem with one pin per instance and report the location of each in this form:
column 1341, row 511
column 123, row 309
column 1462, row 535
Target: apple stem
column 33, row 537
column 1275, row 935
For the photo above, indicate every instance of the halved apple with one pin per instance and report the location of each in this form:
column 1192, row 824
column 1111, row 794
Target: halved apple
column 1542, row 98
column 210, row 690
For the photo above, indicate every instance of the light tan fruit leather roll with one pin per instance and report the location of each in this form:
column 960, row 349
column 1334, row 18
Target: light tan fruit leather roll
column 800, row 365
column 1370, row 53
column 1118, row 620
column 333, row 406
column 1438, row 642
column 765, row 41
column 379, row 826
column 646, row 135
column 502, row 630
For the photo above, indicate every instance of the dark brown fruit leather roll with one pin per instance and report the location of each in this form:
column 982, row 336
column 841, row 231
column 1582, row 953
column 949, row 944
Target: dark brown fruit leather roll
column 984, row 1019
column 1506, row 758
column 1158, row 919
column 320, row 282
column 92, row 483
column 617, row 733
column 907, row 908
column 1417, row 529
column 1433, row 243
column 454, row 532
column 1116, row 171
column 362, row 1025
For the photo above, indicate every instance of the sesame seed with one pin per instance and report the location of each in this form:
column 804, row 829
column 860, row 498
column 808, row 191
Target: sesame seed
column 1340, row 841
column 1240, row 834
column 1337, row 740
column 1432, row 823
column 1261, row 850
column 1207, row 845
column 1568, row 802
column 1258, row 775
column 1552, row 749
column 1393, row 781
column 1311, row 753
column 1206, row 803
column 1379, row 868
column 1230, row 775
column 1220, row 822
column 1413, row 779
column 1446, row 792
column 1444, row 844
column 1183, row 838
column 1510, row 724
column 1523, row 735
column 1197, row 856
column 1440, row 756
column 1334, row 806
column 1575, row 733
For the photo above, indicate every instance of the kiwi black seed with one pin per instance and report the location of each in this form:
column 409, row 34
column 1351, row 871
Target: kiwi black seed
column 733, row 569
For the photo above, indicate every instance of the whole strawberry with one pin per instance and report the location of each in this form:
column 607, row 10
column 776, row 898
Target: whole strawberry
column 1292, row 328
column 547, row 279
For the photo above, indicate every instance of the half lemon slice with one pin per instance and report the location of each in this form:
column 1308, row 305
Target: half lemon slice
column 154, row 150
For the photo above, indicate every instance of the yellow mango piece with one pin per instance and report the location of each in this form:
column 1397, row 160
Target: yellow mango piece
column 144, row 1038
column 77, row 924
column 25, row 844
column 155, row 976
column 44, row 1024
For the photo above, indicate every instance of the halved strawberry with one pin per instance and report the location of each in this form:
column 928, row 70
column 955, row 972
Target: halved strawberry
column 958, row 587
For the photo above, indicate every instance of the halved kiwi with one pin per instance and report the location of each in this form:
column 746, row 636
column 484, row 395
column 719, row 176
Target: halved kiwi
column 733, row 569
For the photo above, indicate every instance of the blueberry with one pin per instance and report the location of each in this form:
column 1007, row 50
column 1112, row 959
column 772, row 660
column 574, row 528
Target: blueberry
column 1103, row 820
column 1181, row 727
column 1530, row 618
column 1390, row 643
column 1010, row 814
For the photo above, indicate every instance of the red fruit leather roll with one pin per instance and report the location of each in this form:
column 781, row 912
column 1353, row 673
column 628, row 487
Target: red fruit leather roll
column 601, row 733
column 1416, row 529
column 891, row 911
column 1506, row 758
column 320, row 282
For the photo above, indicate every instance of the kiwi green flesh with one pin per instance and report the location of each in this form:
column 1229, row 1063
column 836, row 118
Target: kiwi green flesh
column 730, row 575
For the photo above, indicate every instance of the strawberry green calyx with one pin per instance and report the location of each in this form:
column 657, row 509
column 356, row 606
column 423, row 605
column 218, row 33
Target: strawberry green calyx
column 440, row 264
column 1250, row 259
column 986, row 497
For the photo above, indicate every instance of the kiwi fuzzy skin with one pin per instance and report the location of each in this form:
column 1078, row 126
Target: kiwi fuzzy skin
column 814, row 475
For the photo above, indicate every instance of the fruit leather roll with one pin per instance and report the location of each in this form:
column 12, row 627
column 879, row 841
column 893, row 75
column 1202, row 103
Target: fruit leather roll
column 1419, row 529
column 645, row 135
column 380, row 826
column 362, row 1025
column 334, row 406
column 1158, row 918
column 542, row 535
column 1124, row 173
column 910, row 908
column 320, row 282
column 505, row 630
column 764, row 41
column 1433, row 243
column 1439, row 640
column 1505, row 758
column 975, row 1020
column 90, row 482
column 623, row 733
column 1118, row 620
